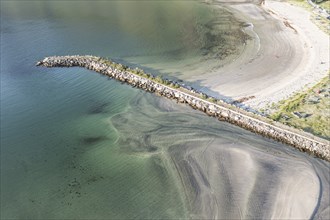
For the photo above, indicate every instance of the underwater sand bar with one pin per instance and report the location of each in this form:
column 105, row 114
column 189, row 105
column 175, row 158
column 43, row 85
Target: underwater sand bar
column 172, row 90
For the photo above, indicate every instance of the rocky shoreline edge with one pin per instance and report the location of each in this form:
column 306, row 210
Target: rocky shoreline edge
column 197, row 100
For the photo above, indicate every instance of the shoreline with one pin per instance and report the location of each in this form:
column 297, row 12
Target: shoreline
column 197, row 100
column 288, row 61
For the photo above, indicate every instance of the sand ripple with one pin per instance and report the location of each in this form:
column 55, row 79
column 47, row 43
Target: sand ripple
column 226, row 172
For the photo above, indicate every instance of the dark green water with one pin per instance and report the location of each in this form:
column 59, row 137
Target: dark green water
column 75, row 145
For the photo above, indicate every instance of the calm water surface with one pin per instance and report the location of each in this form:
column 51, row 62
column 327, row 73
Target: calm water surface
column 77, row 145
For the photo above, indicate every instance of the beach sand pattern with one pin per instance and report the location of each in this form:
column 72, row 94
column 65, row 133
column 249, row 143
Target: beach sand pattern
column 226, row 173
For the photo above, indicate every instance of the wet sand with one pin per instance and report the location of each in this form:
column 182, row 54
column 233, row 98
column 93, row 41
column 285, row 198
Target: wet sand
column 225, row 172
column 287, row 53
column 232, row 181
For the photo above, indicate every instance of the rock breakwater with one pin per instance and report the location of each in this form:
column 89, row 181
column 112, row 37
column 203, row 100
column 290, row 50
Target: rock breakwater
column 200, row 101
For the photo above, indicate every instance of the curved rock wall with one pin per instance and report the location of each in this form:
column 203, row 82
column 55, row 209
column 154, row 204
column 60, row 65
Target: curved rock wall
column 108, row 68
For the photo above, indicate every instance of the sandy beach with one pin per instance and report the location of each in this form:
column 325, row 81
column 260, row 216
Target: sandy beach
column 287, row 53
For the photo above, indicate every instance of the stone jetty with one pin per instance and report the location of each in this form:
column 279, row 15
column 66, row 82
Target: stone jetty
column 211, row 106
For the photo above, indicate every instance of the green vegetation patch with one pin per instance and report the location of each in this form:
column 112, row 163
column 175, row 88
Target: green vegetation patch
column 324, row 4
column 309, row 110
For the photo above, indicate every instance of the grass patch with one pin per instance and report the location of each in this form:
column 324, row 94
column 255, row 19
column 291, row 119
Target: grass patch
column 318, row 119
column 325, row 4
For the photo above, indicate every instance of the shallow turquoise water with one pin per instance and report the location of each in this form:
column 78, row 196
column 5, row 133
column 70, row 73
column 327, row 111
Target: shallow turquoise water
column 60, row 156
column 77, row 145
